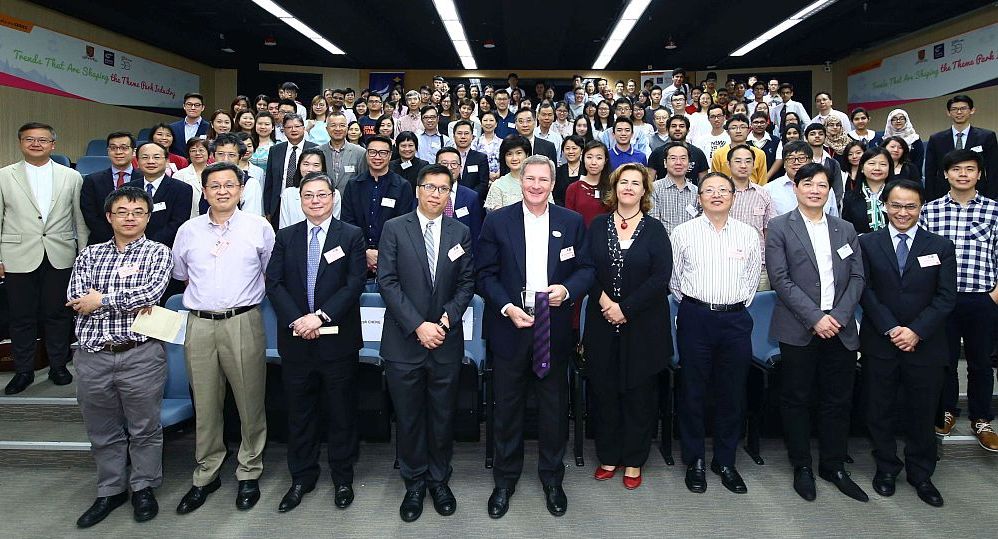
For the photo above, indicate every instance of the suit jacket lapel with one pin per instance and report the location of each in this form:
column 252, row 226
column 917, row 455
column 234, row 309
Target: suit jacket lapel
column 419, row 246
column 800, row 229
column 554, row 243
column 447, row 240
column 887, row 244
column 21, row 175
column 332, row 240
column 519, row 241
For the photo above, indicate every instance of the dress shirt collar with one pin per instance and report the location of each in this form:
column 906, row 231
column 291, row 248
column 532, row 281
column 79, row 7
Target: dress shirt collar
column 807, row 221
column 752, row 186
column 947, row 199
column 671, row 184
column 323, row 225
column 187, row 121
column 46, row 168
column 228, row 222
column 127, row 170
column 528, row 215
column 706, row 223
column 765, row 137
column 965, row 133
column 134, row 244
column 424, row 219
column 910, row 232
column 155, row 183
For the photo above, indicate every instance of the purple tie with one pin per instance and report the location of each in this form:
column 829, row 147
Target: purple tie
column 542, row 335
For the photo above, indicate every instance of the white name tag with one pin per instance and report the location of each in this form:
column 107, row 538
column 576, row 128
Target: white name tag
column 334, row 254
column 388, row 202
column 556, row 233
column 928, row 260
column 405, row 164
column 977, row 149
column 460, row 212
column 736, row 253
column 511, row 125
column 844, row 251
column 159, row 206
column 691, row 210
column 127, row 271
column 455, row 252
column 626, row 244
column 348, row 168
column 596, row 193
column 566, row 253
column 435, row 144
column 472, row 168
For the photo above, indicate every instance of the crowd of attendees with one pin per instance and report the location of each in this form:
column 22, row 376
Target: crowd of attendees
column 540, row 197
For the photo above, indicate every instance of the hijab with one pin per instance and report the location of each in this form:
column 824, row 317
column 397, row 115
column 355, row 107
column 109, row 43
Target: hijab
column 908, row 133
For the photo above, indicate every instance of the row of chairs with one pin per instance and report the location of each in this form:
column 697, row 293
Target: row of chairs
column 98, row 146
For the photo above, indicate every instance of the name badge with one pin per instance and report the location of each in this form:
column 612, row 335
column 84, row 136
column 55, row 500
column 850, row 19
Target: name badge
column 625, row 244
column 556, row 233
column 220, row 247
column 511, row 125
column 348, row 168
column 759, row 210
column 455, row 252
column 127, row 271
column 596, row 193
column 460, row 212
column 472, row 168
column 159, row 206
column 566, row 253
column 691, row 210
column 388, row 202
column 928, row 260
column 977, row 149
column 435, row 144
column 334, row 254
column 844, row 251
column 405, row 164
column 736, row 253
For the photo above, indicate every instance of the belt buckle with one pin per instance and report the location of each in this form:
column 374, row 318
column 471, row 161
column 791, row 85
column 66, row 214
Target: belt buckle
column 716, row 307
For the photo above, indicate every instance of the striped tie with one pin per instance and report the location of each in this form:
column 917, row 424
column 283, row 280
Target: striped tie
column 542, row 335
column 431, row 251
column 313, row 267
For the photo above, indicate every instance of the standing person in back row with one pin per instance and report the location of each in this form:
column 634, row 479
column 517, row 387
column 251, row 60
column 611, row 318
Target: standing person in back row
column 44, row 229
column 961, row 136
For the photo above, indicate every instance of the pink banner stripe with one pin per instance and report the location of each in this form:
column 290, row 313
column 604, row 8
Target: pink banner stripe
column 25, row 84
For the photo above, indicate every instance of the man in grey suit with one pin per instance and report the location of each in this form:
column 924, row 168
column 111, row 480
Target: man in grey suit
column 426, row 277
column 344, row 160
column 42, row 231
column 816, row 268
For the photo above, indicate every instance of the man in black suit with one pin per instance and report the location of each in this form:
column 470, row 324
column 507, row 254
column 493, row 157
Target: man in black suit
column 171, row 198
column 464, row 205
column 314, row 281
column 282, row 163
column 525, row 124
column 98, row 185
column 531, row 256
column 426, row 279
column 910, row 290
column 192, row 125
column 474, row 165
column 960, row 109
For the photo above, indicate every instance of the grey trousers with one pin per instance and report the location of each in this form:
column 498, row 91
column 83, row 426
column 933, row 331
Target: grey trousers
column 120, row 396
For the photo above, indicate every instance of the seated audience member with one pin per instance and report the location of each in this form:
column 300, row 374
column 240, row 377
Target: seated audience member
column 98, row 185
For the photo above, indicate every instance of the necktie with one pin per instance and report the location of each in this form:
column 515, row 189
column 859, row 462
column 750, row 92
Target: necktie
column 150, row 189
column 959, row 141
column 431, row 251
column 313, row 267
column 289, row 177
column 902, row 252
column 449, row 208
column 121, row 179
column 542, row 335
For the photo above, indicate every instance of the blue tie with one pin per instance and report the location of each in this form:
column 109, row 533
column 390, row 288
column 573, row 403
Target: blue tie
column 902, row 252
column 313, row 267
column 149, row 189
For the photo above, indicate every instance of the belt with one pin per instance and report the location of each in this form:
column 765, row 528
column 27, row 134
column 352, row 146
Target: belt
column 222, row 315
column 716, row 306
column 119, row 348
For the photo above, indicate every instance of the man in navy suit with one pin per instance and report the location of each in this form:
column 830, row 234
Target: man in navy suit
column 282, row 163
column 191, row 126
column 910, row 291
column 464, row 204
column 171, row 198
column 474, row 171
column 531, row 251
column 960, row 109
column 98, row 185
column 314, row 281
column 426, row 278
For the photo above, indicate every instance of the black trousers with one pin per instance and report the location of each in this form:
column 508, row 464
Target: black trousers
column 921, row 386
column 315, row 388
column 625, row 420
column 513, row 377
column 829, row 365
column 424, row 396
column 973, row 319
column 39, row 294
column 715, row 351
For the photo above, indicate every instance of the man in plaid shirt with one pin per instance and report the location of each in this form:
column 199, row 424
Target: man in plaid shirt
column 121, row 374
column 970, row 220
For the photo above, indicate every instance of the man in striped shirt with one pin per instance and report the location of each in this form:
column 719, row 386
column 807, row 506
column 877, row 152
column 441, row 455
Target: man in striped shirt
column 753, row 205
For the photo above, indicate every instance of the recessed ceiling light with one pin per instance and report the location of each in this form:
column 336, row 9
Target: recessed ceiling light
column 628, row 18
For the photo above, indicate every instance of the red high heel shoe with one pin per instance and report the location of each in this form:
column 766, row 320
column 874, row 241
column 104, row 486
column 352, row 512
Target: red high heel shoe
column 631, row 483
column 602, row 474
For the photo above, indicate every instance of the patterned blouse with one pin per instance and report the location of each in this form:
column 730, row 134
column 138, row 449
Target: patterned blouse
column 617, row 253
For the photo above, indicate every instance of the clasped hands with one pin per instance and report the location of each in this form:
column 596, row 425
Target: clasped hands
column 307, row 327
column 904, row 338
column 612, row 313
column 86, row 304
column 431, row 335
column 556, row 296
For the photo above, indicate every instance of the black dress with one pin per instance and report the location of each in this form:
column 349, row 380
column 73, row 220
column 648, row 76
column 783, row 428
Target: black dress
column 561, row 180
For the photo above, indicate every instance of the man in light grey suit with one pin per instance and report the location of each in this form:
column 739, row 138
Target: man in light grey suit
column 41, row 232
column 816, row 268
column 427, row 280
column 344, row 160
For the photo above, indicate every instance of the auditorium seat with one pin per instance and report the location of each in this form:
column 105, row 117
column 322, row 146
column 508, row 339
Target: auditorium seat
column 177, row 405
column 92, row 163
column 143, row 134
column 765, row 358
column 61, row 159
column 270, row 330
column 97, row 146
column 373, row 401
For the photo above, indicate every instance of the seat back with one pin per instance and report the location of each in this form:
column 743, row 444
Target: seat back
column 143, row 134
column 61, row 159
column 176, row 375
column 764, row 349
column 97, row 147
column 89, row 164
column 673, row 313
column 474, row 349
column 372, row 349
column 270, row 330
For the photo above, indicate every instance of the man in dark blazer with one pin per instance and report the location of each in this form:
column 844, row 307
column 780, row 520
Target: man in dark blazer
column 532, row 250
column 426, row 278
column 465, row 205
column 171, row 198
column 282, row 163
column 192, row 125
column 98, row 185
column 910, row 290
column 816, row 268
column 474, row 165
column 526, row 121
column 314, row 281
column 960, row 109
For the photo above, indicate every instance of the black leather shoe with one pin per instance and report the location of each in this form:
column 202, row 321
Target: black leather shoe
column 499, row 502
column 845, row 484
column 144, row 505
column 412, row 504
column 696, row 476
column 928, row 493
column 248, row 494
column 196, row 496
column 804, row 483
column 883, row 483
column 556, row 500
column 443, row 500
column 19, row 383
column 730, row 478
column 343, row 496
column 101, row 508
column 293, row 498
column 60, row 376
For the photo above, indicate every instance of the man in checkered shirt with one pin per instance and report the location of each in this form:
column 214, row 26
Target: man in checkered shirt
column 120, row 374
column 970, row 220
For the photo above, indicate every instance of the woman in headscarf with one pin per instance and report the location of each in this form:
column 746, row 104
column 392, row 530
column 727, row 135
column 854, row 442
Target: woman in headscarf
column 899, row 124
column 835, row 136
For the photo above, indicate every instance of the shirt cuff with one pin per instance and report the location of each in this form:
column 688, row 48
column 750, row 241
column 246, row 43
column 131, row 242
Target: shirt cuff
column 504, row 308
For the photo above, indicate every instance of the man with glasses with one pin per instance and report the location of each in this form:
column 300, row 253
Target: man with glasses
column 674, row 198
column 710, row 141
column 463, row 203
column 761, row 139
column 192, row 125
column 738, row 131
column 961, row 135
column 121, row 374
column 227, row 148
column 410, row 121
column 753, row 205
column 796, row 154
column 171, row 198
column 374, row 113
column 430, row 139
column 97, row 185
column 473, row 171
column 344, row 160
column 678, row 128
column 222, row 256
column 282, row 164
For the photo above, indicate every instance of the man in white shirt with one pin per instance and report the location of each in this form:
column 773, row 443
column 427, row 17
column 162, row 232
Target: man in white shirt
column 678, row 86
column 717, row 136
column 796, row 154
column 788, row 105
column 773, row 97
column 823, row 102
column 545, row 117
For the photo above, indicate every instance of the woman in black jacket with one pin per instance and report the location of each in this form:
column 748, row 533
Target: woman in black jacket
column 627, row 338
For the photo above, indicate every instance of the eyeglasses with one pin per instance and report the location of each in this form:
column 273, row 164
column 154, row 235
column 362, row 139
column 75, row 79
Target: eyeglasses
column 430, row 117
column 379, row 153
column 192, row 105
column 215, row 187
column 906, row 207
column 721, row 192
column 715, row 116
column 124, row 214
column 308, row 197
column 450, row 164
column 219, row 156
column 797, row 159
column 442, row 189
column 959, row 109
column 39, row 140
column 116, row 148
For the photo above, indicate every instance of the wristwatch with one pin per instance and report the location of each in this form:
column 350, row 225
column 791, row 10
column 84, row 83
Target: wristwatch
column 322, row 316
column 443, row 327
column 105, row 301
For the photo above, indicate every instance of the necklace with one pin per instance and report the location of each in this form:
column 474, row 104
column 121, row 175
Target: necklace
column 624, row 220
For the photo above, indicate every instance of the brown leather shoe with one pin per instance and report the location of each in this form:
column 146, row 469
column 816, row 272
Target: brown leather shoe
column 986, row 435
column 949, row 420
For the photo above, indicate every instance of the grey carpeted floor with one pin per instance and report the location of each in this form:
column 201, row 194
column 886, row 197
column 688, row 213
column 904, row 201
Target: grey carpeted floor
column 45, row 502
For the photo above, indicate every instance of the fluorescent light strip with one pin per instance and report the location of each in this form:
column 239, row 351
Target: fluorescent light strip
column 787, row 24
column 628, row 18
column 271, row 7
column 455, row 30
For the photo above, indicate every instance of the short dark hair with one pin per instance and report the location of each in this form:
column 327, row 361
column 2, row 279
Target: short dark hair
column 166, row 152
column 434, row 168
column 737, row 118
column 315, row 177
column 822, row 92
column 785, row 86
column 713, row 106
column 525, row 111
column 501, row 91
column 195, row 95
column 289, row 86
column 798, row 146
column 623, row 120
column 464, row 123
column 959, row 98
column 228, row 139
column 716, row 174
column 813, row 126
column 760, row 114
column 447, row 149
column 428, row 108
column 35, row 125
column 287, row 102
column 736, row 147
column 622, row 101
column 131, row 194
column 675, row 144
column 903, row 184
column 575, row 139
column 685, row 120
column 512, row 142
column 959, row 156
column 123, row 134
column 407, row 136
column 811, row 170
column 292, row 116
column 679, row 71
column 380, row 138
column 219, row 166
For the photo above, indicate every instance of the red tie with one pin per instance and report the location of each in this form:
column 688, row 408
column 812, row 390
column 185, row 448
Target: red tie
column 121, row 179
column 449, row 208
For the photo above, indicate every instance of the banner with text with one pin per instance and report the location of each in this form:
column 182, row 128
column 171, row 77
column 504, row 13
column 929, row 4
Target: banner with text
column 41, row 60
column 956, row 64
